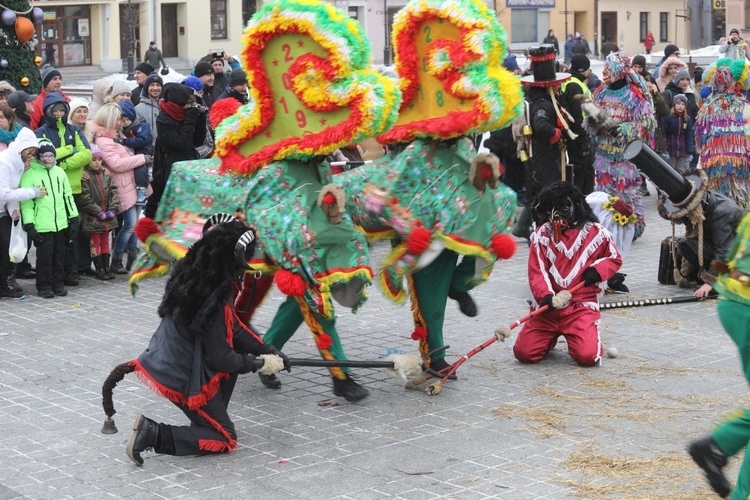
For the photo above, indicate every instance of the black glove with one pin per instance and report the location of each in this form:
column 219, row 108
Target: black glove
column 251, row 364
column 271, row 349
column 33, row 234
column 591, row 276
column 547, row 301
column 71, row 233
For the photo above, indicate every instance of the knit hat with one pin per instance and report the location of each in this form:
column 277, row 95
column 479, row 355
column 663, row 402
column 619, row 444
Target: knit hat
column 144, row 67
column 96, row 152
column 580, row 63
column 237, row 77
column 175, row 93
column 194, row 83
column 680, row 98
column 48, row 73
column 76, row 103
column 639, row 60
column 17, row 100
column 45, row 146
column 510, row 63
column 128, row 110
column 681, row 74
column 203, row 68
column 670, row 49
column 153, row 78
column 705, row 92
column 734, row 30
column 120, row 87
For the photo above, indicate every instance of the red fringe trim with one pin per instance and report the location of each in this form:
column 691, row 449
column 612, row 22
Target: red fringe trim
column 455, row 123
column 223, row 109
column 545, row 57
column 213, row 446
column 229, row 322
column 231, row 442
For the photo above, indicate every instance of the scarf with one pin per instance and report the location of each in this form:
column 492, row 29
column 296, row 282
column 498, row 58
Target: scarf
column 8, row 136
column 175, row 111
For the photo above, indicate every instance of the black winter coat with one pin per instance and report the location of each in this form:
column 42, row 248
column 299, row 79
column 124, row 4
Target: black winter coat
column 544, row 168
column 176, row 141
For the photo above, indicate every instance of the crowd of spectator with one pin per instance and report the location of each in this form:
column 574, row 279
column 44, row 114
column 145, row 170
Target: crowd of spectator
column 77, row 174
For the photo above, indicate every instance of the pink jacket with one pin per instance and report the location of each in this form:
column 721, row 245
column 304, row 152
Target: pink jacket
column 120, row 165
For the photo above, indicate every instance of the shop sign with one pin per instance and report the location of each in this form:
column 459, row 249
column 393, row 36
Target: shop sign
column 531, row 3
column 719, row 4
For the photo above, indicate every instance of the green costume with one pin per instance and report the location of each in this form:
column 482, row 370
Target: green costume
column 733, row 433
column 429, row 187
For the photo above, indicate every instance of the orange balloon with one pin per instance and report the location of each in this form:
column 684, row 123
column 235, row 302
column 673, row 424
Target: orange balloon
column 24, row 29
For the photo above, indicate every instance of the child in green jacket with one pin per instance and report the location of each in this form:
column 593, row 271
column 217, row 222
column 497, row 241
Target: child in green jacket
column 46, row 220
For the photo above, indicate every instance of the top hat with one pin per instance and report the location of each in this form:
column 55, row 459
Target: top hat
column 542, row 60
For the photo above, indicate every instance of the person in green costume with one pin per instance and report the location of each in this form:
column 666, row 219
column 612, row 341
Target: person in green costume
column 731, row 435
column 437, row 200
column 280, row 139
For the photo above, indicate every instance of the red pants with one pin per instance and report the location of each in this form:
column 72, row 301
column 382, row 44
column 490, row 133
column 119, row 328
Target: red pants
column 577, row 323
column 99, row 243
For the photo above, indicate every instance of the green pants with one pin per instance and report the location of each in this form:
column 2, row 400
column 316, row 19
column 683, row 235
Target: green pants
column 431, row 285
column 288, row 319
column 733, row 433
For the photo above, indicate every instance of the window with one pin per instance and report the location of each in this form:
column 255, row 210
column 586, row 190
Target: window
column 523, row 25
column 218, row 20
column 353, row 12
column 644, row 26
column 663, row 26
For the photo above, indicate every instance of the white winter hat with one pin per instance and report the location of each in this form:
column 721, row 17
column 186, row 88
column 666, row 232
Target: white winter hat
column 120, row 87
column 76, row 103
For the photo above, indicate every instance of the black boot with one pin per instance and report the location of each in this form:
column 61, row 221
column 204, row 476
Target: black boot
column 101, row 274
column 441, row 366
column 6, row 290
column 132, row 254
column 117, row 267
column 270, row 381
column 465, row 302
column 711, row 459
column 106, row 268
column 349, row 389
column 145, row 437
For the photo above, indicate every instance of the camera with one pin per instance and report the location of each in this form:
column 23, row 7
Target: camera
column 217, row 54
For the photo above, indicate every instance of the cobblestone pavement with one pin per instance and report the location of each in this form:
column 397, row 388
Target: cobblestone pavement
column 503, row 430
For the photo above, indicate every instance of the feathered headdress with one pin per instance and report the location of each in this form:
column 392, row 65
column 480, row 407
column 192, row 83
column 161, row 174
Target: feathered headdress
column 310, row 84
column 449, row 57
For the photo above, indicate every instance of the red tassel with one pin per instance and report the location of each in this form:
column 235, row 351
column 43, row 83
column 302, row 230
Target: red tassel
column 145, row 228
column 419, row 240
column 289, row 283
column 503, row 246
column 324, row 341
column 223, row 109
column 419, row 333
column 329, row 199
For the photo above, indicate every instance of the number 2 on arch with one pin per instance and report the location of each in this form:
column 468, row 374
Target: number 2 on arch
column 287, row 49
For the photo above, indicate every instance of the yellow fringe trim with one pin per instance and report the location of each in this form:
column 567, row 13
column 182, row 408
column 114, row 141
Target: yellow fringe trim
column 317, row 329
